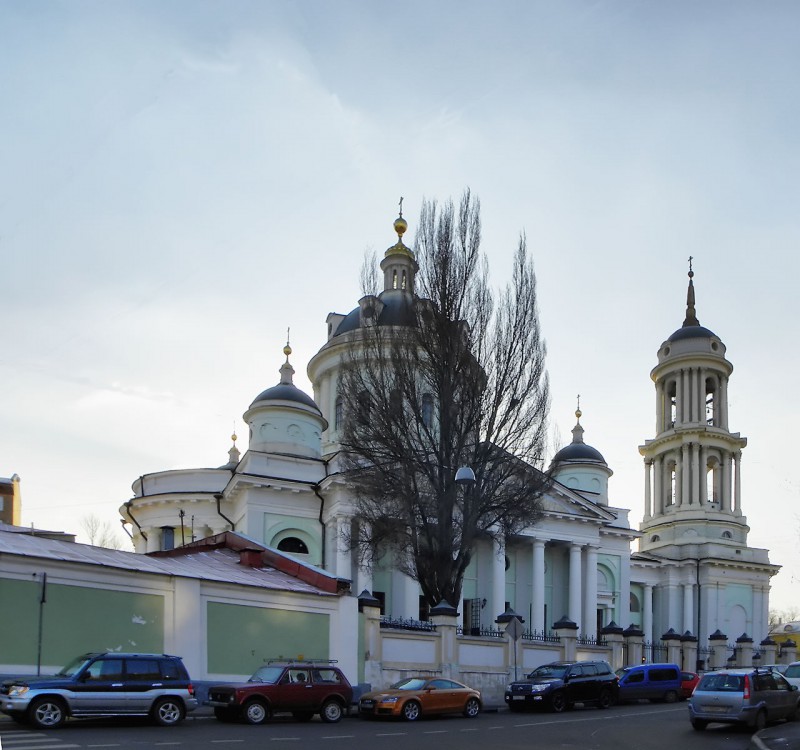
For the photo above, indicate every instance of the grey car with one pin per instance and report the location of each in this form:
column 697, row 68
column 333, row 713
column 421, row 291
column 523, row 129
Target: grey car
column 751, row 697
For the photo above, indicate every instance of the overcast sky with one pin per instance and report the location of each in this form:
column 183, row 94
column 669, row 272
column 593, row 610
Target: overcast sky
column 180, row 182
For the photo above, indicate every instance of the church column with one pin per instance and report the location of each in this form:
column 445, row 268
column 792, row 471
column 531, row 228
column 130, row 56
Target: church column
column 589, row 621
column 344, row 568
column 647, row 613
column 737, row 495
column 695, row 472
column 575, row 584
column 365, row 571
column 498, row 600
column 538, row 583
column 688, row 609
column 648, row 500
column 658, row 487
column 723, row 402
column 686, row 475
column 703, row 476
column 680, row 400
column 726, row 481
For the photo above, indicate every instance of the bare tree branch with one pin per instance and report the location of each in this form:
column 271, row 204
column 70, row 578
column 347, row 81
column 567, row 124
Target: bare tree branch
column 461, row 383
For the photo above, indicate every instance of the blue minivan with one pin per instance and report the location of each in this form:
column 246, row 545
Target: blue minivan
column 655, row 682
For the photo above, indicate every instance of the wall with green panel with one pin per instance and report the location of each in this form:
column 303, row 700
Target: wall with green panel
column 241, row 638
column 75, row 619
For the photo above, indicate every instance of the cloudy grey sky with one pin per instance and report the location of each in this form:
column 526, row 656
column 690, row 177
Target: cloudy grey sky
column 180, row 182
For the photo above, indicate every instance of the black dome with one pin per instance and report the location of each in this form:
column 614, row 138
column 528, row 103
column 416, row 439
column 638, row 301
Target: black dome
column 286, row 392
column 398, row 310
column 579, row 453
column 692, row 332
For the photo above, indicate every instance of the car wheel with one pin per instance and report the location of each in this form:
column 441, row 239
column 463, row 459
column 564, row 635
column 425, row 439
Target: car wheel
column 167, row 712
column 558, row 702
column 225, row 715
column 699, row 724
column 760, row 721
column 411, row 711
column 331, row 711
column 670, row 696
column 604, row 700
column 472, row 708
column 47, row 713
column 256, row 712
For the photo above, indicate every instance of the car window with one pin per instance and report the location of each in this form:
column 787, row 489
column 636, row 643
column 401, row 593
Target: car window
column 590, row 670
column 439, row 684
column 142, row 669
column 726, row 682
column 297, row 675
column 793, row 670
column 73, row 667
column 663, row 675
column 634, row 677
column 549, row 670
column 576, row 670
column 270, row 675
column 105, row 669
column 410, row 683
column 781, row 683
column 325, row 675
column 169, row 669
column 764, row 681
column 603, row 668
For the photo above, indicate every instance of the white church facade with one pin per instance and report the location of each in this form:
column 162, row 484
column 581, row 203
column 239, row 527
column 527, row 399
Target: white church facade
column 687, row 568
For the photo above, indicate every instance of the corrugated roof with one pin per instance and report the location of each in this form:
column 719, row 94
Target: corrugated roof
column 219, row 564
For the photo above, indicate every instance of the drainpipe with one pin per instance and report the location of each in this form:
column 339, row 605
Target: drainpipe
column 218, row 498
column 315, row 487
column 130, row 515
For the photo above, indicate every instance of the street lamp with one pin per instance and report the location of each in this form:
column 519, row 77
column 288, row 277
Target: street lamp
column 465, row 475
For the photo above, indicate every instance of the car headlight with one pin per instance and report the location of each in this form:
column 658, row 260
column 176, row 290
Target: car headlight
column 390, row 700
column 15, row 691
column 538, row 688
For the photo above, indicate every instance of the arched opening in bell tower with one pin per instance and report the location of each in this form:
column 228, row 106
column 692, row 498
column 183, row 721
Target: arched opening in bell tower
column 672, row 402
column 713, row 481
column 711, row 401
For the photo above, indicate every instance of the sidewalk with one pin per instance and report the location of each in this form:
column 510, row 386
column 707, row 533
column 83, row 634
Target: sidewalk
column 785, row 736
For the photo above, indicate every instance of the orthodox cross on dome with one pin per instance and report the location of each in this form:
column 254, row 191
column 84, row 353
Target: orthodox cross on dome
column 578, row 410
column 401, row 206
column 577, row 430
column 287, row 371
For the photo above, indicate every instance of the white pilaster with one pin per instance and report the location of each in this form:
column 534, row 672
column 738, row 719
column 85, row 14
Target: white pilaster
column 538, row 583
column 575, row 585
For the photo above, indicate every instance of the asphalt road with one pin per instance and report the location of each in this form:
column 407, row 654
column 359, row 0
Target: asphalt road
column 631, row 727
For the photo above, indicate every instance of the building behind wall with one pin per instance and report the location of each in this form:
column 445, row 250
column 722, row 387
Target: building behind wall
column 10, row 501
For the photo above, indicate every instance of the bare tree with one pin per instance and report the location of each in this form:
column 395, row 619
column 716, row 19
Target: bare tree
column 461, row 383
column 99, row 533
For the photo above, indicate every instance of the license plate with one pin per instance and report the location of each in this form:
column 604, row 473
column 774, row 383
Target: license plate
column 367, row 704
column 517, row 697
column 537, row 697
column 715, row 709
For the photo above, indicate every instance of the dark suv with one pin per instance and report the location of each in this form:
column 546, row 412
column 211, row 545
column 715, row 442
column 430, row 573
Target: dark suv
column 300, row 688
column 108, row 684
column 562, row 684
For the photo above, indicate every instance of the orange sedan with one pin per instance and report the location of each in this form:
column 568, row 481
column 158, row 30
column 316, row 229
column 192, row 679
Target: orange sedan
column 414, row 697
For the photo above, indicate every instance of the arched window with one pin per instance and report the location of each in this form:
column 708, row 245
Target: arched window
column 394, row 279
column 636, row 605
column 403, row 282
column 338, row 413
column 293, row 545
column 727, row 535
column 167, row 537
column 710, row 401
column 427, row 410
column 655, row 538
column 673, row 404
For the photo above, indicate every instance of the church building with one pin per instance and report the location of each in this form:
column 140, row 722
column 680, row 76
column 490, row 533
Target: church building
column 687, row 569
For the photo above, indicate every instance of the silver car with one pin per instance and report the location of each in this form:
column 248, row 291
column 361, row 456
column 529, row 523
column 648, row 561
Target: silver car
column 753, row 697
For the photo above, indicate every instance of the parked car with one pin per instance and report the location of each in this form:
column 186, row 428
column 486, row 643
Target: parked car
column 792, row 673
column 560, row 685
column 103, row 684
column 654, row 682
column 689, row 682
column 415, row 697
column 300, row 688
column 752, row 697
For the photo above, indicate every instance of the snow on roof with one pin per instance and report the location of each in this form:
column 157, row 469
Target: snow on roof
column 216, row 564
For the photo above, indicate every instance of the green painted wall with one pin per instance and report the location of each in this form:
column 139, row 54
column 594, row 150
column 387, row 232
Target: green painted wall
column 75, row 620
column 241, row 638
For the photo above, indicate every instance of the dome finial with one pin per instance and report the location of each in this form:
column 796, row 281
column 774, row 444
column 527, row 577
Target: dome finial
column 287, row 350
column 578, row 412
column 400, row 224
column 691, row 315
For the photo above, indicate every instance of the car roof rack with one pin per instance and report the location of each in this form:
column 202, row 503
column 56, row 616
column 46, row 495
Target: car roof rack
column 301, row 661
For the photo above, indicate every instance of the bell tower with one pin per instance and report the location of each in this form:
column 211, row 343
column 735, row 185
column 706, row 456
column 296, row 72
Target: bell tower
column 692, row 465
